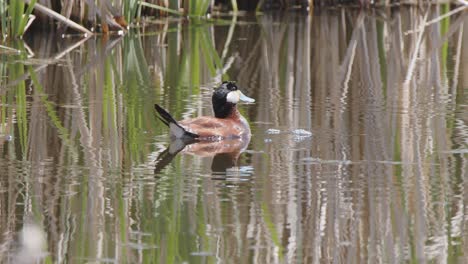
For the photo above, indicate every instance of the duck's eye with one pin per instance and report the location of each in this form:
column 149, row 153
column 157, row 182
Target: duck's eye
column 232, row 87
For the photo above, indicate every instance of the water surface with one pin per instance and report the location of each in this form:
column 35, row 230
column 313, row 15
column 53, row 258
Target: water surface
column 356, row 154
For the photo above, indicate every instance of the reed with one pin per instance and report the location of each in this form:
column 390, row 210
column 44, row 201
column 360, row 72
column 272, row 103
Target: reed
column 15, row 17
column 3, row 19
column 162, row 8
column 198, row 8
column 192, row 8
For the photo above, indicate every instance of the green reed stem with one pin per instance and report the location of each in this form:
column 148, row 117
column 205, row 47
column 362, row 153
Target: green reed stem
column 3, row 18
column 165, row 9
column 234, row 6
column 444, row 28
column 25, row 16
column 15, row 17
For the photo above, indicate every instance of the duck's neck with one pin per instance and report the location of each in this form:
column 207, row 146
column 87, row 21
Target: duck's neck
column 226, row 111
column 235, row 114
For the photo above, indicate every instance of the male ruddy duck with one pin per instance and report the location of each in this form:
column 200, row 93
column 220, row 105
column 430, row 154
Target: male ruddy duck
column 227, row 123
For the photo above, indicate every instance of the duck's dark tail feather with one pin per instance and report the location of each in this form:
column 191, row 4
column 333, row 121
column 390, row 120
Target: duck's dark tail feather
column 176, row 130
column 164, row 116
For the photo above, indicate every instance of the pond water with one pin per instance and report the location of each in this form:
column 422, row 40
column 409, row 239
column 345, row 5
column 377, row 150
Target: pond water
column 358, row 150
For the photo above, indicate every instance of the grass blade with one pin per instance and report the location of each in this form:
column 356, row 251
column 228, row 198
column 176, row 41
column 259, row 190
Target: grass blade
column 15, row 13
column 26, row 19
column 165, row 9
column 203, row 8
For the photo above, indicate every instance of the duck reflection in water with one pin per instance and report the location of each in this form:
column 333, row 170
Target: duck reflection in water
column 225, row 154
column 222, row 137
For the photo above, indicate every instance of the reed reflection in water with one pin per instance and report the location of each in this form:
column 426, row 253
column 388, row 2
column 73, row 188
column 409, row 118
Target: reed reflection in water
column 358, row 154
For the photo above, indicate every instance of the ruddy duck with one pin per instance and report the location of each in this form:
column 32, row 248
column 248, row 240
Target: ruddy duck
column 227, row 123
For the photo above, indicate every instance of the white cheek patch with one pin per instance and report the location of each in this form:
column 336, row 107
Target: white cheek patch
column 233, row 97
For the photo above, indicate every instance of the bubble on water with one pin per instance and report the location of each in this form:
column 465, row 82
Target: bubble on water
column 273, row 131
column 302, row 132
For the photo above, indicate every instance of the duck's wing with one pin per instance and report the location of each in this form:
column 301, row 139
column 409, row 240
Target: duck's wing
column 207, row 127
